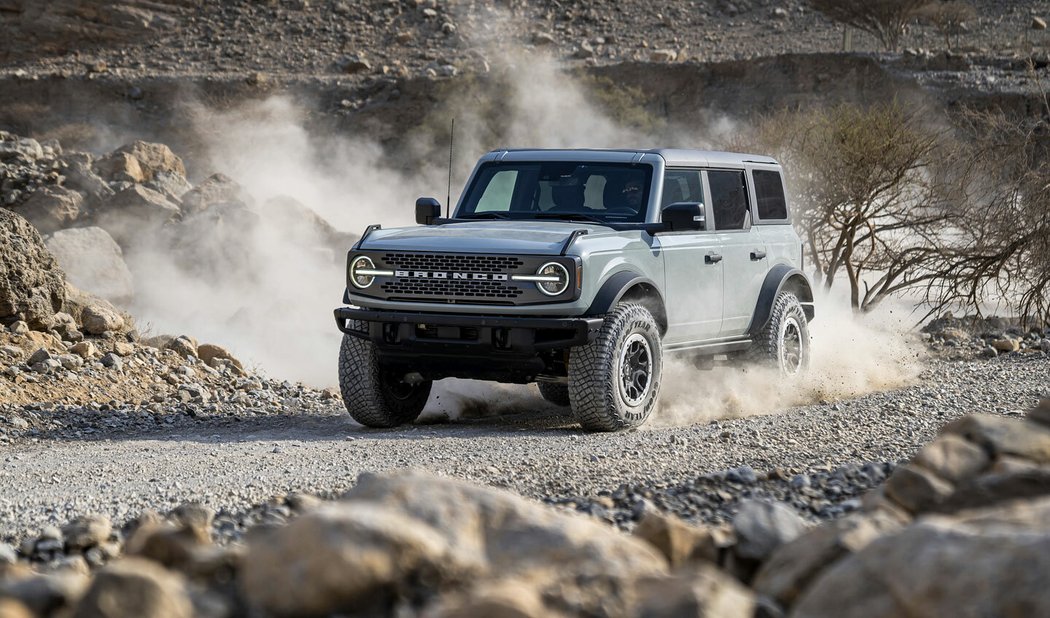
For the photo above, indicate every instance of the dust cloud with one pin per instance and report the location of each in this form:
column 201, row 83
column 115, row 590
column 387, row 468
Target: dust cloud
column 851, row 355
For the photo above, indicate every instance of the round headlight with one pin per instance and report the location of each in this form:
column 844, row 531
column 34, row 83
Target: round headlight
column 556, row 279
column 362, row 262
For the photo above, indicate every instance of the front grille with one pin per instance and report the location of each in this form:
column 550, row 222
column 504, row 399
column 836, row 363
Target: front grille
column 468, row 290
column 452, row 262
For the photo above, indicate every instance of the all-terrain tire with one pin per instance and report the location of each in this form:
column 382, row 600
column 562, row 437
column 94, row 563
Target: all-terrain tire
column 373, row 396
column 603, row 395
column 783, row 342
column 554, row 392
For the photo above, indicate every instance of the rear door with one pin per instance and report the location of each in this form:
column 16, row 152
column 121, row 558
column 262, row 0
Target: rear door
column 692, row 266
column 742, row 248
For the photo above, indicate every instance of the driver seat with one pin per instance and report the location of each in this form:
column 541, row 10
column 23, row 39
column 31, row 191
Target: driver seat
column 567, row 198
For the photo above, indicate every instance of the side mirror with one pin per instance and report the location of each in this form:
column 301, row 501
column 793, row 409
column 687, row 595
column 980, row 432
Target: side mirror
column 427, row 209
column 684, row 216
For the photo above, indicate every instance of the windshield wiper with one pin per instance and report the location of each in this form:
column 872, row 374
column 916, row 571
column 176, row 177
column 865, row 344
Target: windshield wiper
column 569, row 216
column 485, row 215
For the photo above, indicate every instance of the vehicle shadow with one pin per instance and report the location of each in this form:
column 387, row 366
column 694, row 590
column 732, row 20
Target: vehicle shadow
column 327, row 425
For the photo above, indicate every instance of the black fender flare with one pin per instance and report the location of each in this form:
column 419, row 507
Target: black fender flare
column 779, row 278
column 616, row 286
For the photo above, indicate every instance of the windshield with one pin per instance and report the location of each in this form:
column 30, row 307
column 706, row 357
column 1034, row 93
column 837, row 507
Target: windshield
column 571, row 191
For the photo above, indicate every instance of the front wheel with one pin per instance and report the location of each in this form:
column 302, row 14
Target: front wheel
column 783, row 342
column 614, row 381
column 374, row 396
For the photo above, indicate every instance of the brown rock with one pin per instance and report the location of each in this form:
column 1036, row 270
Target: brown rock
column 98, row 319
column 85, row 532
column 679, row 542
column 701, row 591
column 167, row 544
column 85, row 350
column 133, row 212
column 135, row 587
column 1005, row 345
column 952, row 458
column 1041, row 413
column 120, row 167
column 183, row 345
column 77, row 301
column 92, row 260
column 1038, row 23
column 987, row 563
column 663, row 55
column 1003, row 436
column 52, row 208
column 791, row 568
column 504, row 599
column 153, row 159
column 990, row 489
column 215, row 189
column 391, row 530
column 916, row 489
column 209, row 352
column 32, row 286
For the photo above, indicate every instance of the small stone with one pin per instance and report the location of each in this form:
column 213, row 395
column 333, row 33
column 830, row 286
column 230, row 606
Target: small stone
column 663, row 55
column 1006, row 345
column 112, row 361
column 71, row 362
column 85, row 350
column 542, row 39
column 354, row 64
column 1038, row 23
column 19, row 328
column 123, row 348
column 989, row 352
column 39, row 356
column 183, row 346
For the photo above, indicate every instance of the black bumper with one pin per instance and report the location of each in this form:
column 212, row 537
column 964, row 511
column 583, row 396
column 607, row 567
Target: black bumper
column 473, row 346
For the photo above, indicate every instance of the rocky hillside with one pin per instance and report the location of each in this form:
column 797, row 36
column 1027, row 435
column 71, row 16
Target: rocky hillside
column 961, row 530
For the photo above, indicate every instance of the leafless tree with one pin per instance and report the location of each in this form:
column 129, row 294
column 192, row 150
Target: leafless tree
column 870, row 193
column 949, row 18
column 886, row 19
column 1003, row 255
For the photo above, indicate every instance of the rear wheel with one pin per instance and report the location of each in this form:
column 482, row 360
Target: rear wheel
column 555, row 392
column 784, row 341
column 374, row 396
column 614, row 381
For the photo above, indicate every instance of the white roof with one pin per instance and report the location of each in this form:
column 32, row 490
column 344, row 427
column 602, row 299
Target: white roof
column 671, row 156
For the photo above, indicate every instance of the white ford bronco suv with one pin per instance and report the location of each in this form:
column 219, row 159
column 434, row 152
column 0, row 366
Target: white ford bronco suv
column 579, row 270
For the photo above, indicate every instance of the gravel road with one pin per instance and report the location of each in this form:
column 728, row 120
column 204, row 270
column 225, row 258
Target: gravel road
column 231, row 462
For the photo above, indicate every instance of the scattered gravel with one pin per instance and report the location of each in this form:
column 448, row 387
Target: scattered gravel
column 242, row 461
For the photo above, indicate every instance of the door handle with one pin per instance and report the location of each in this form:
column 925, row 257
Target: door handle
column 712, row 258
column 758, row 255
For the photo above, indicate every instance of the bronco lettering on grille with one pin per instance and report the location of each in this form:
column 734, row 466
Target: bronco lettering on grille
column 426, row 274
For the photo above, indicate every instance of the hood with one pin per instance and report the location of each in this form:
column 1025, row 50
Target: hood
column 514, row 237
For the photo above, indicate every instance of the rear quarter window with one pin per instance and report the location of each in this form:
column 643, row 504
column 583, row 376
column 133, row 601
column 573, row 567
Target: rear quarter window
column 769, row 193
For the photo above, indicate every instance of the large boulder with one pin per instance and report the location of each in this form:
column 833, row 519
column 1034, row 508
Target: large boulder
column 93, row 261
column 153, row 159
column 52, row 208
column 88, row 307
column 32, row 285
column 991, row 562
column 134, row 211
column 396, row 534
column 214, row 190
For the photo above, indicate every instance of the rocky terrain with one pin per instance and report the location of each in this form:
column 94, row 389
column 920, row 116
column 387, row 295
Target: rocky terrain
column 158, row 471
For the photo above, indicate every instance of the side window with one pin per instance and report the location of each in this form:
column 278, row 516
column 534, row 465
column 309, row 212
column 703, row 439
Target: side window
column 681, row 186
column 729, row 199
column 769, row 191
column 498, row 193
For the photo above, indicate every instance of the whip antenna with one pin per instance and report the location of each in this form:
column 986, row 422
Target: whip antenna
column 448, row 196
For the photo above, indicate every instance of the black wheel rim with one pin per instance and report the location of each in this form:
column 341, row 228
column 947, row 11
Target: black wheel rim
column 792, row 348
column 636, row 369
column 398, row 388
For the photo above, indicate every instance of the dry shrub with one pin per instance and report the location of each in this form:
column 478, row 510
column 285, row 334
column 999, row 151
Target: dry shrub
column 886, row 19
column 949, row 18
